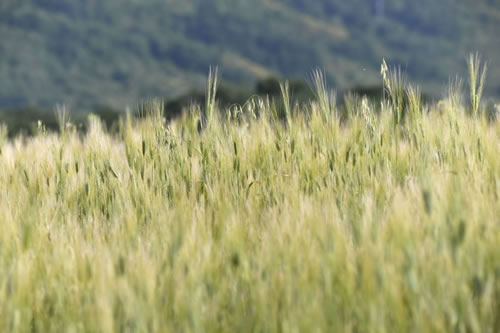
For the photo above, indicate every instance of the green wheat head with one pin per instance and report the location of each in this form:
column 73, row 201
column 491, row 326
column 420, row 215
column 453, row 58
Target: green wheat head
column 477, row 78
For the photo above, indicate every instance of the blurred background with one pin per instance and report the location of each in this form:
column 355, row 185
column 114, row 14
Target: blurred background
column 107, row 55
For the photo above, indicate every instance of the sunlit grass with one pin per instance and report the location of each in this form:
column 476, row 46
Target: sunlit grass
column 477, row 78
column 253, row 222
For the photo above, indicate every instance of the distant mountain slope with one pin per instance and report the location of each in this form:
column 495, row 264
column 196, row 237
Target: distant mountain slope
column 116, row 52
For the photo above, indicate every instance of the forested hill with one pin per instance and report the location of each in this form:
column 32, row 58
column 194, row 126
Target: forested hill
column 116, row 52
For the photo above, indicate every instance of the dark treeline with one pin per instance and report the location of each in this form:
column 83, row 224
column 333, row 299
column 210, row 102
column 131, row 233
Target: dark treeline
column 24, row 120
column 81, row 51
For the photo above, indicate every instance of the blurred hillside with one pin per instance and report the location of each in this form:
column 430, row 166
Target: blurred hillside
column 117, row 52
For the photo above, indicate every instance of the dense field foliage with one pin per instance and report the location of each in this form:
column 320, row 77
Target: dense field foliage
column 260, row 218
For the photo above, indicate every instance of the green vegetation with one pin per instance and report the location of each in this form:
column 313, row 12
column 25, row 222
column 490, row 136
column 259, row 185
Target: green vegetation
column 476, row 81
column 265, row 217
column 118, row 52
column 24, row 120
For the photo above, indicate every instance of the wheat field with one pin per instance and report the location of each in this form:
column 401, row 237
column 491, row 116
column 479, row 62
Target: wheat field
column 269, row 217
